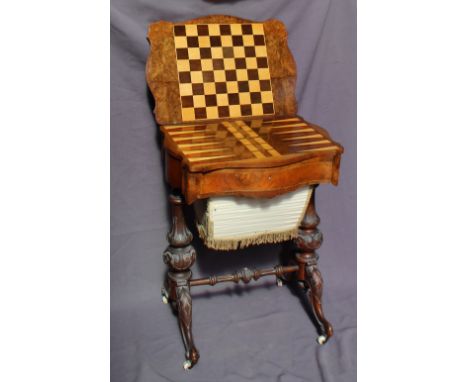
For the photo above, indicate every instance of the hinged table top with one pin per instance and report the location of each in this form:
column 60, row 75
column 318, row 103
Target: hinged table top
column 245, row 143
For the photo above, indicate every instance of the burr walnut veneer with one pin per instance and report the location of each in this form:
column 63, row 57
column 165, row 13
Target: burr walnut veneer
column 225, row 102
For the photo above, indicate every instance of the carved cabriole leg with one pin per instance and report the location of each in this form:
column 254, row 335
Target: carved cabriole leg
column 180, row 256
column 307, row 242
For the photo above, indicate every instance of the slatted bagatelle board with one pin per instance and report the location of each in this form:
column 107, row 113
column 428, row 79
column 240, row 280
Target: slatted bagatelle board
column 227, row 222
column 221, row 141
column 223, row 71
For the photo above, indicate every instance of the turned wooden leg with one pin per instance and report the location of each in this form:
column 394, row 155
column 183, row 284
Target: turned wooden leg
column 309, row 240
column 180, row 256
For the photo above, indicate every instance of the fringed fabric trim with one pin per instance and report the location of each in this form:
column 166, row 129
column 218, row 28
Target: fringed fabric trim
column 236, row 243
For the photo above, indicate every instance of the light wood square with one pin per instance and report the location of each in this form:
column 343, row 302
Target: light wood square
column 207, row 64
column 260, row 51
column 209, row 88
column 196, row 77
column 213, row 29
column 254, row 86
column 236, row 29
column 242, row 75
column 263, row 74
column 183, row 65
column 232, row 87
column 257, row 28
column 194, row 53
column 199, row 101
column 180, row 41
column 229, row 64
column 251, row 62
column 220, row 76
column 226, row 41
column 244, row 98
column 185, row 89
column 204, row 41
column 222, row 99
column 212, row 112
column 188, row 114
column 191, row 30
column 267, row 97
column 239, row 52
column 248, row 40
column 257, row 109
column 217, row 52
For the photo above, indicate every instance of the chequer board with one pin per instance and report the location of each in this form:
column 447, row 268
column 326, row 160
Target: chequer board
column 223, row 71
column 246, row 139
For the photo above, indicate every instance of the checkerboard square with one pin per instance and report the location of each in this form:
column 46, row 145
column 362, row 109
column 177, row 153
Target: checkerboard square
column 268, row 108
column 220, row 76
column 204, row 42
column 194, row 53
column 229, row 63
column 248, row 40
column 205, row 52
column 202, row 30
column 231, row 75
column 182, row 53
column 244, row 98
column 225, row 29
column 239, row 51
column 196, row 77
column 200, row 112
column 209, row 88
column 254, row 86
column 179, row 30
column 222, row 99
column 184, row 77
column 249, row 51
column 256, row 97
column 197, row 89
column 191, row 30
column 192, row 42
column 246, row 29
column 218, row 64
column 206, row 64
column 246, row 110
column 228, row 52
column 265, row 85
column 210, row 100
column 243, row 86
column 233, row 99
column 215, row 41
column 195, row 65
column 221, row 87
column 208, row 76
column 232, row 87
column 237, row 41
column 217, row 52
column 223, row 111
column 240, row 63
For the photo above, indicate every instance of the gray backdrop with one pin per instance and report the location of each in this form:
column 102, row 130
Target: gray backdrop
column 257, row 333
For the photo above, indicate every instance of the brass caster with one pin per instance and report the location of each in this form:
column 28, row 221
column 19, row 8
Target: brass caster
column 279, row 282
column 321, row 339
column 164, row 296
column 187, row 365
